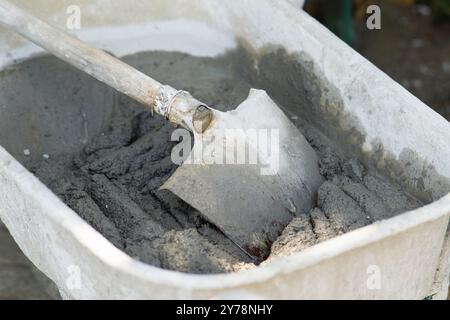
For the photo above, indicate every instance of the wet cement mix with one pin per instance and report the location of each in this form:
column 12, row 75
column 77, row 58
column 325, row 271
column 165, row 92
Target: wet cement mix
column 113, row 183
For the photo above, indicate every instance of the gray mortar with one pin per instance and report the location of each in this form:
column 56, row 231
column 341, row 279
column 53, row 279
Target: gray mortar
column 109, row 156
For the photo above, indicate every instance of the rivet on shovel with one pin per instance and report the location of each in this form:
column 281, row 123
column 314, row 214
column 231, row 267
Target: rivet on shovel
column 202, row 118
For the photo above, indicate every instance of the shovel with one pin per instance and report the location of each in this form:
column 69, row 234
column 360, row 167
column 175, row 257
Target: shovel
column 250, row 170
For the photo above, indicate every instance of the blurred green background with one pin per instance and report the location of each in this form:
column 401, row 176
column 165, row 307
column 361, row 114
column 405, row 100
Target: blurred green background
column 413, row 45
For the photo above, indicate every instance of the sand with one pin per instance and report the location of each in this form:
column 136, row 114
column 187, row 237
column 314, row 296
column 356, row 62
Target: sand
column 113, row 182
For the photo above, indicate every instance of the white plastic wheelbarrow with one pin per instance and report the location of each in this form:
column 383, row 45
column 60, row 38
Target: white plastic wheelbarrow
column 375, row 117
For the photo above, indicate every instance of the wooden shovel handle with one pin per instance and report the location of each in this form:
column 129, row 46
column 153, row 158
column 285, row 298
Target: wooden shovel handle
column 95, row 62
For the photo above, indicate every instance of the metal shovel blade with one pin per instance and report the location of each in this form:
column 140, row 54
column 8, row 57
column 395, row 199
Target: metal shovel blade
column 250, row 201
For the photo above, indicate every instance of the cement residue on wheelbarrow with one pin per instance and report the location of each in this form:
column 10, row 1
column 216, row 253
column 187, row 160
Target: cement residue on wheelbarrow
column 112, row 178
